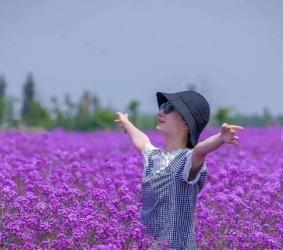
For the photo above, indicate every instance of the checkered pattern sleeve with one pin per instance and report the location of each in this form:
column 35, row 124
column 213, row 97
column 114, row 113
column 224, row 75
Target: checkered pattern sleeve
column 147, row 150
column 146, row 153
column 182, row 173
column 201, row 175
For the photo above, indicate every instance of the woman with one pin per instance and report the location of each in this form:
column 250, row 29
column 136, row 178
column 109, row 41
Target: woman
column 174, row 176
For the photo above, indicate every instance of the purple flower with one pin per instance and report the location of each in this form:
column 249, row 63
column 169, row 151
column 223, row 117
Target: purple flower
column 72, row 190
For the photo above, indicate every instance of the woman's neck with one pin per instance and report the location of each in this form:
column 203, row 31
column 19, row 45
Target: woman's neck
column 174, row 143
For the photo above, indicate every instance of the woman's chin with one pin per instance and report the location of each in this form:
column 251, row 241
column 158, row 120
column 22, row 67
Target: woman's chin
column 158, row 126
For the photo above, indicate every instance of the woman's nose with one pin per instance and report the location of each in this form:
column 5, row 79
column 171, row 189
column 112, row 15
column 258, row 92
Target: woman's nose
column 161, row 112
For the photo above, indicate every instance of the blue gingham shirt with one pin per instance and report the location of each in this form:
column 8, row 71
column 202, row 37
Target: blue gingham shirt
column 168, row 198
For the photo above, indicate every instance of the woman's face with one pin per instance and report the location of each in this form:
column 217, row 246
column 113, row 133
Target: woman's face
column 171, row 123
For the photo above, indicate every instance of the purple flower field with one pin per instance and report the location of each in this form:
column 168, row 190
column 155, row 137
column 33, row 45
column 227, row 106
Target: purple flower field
column 72, row 190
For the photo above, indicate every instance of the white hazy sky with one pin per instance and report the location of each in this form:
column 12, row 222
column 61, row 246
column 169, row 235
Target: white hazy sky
column 124, row 50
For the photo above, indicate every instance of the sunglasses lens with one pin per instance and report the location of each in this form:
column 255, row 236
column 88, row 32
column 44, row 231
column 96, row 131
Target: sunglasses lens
column 162, row 106
column 167, row 106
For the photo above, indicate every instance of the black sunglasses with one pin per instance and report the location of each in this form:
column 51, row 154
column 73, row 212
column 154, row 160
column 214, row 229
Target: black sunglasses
column 167, row 107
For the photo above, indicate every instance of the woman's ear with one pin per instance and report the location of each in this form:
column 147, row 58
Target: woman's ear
column 185, row 125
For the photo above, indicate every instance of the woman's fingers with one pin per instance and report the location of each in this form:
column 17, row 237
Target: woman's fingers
column 236, row 127
column 226, row 125
column 120, row 114
column 240, row 128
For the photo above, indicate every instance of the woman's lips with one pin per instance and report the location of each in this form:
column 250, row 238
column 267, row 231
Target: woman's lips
column 159, row 119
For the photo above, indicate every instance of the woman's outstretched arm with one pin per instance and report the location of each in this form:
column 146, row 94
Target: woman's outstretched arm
column 139, row 139
column 227, row 134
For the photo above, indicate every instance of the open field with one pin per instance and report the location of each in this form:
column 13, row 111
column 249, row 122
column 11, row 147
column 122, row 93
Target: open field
column 78, row 190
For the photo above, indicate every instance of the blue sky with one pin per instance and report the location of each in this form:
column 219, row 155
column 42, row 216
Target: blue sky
column 123, row 50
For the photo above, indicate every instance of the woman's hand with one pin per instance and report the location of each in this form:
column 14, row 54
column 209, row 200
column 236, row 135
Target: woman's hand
column 122, row 120
column 228, row 133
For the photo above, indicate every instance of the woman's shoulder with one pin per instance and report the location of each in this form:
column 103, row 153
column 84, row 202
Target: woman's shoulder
column 148, row 148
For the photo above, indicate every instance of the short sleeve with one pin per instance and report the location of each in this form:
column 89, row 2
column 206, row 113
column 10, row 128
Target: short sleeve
column 147, row 149
column 185, row 170
column 146, row 152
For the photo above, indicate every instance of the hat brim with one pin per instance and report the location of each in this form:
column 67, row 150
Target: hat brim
column 180, row 106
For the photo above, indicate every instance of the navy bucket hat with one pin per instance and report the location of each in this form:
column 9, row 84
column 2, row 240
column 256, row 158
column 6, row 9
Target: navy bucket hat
column 193, row 107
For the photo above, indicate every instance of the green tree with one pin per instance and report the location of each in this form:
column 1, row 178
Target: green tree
column 33, row 112
column 56, row 113
column 105, row 117
column 2, row 98
column 28, row 96
column 70, row 106
column 266, row 116
column 147, row 121
column 84, row 105
column 10, row 112
column 96, row 103
column 38, row 116
column 133, row 109
column 222, row 115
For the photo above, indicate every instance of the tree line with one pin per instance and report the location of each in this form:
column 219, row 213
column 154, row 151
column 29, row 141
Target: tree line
column 88, row 113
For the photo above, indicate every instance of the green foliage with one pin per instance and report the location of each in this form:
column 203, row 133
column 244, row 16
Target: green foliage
column 2, row 109
column 28, row 95
column 88, row 113
column 9, row 117
column 279, row 119
column 222, row 115
column 146, row 121
column 84, row 105
column 2, row 98
column 2, row 87
column 106, row 117
column 37, row 116
column 267, row 118
column 133, row 109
